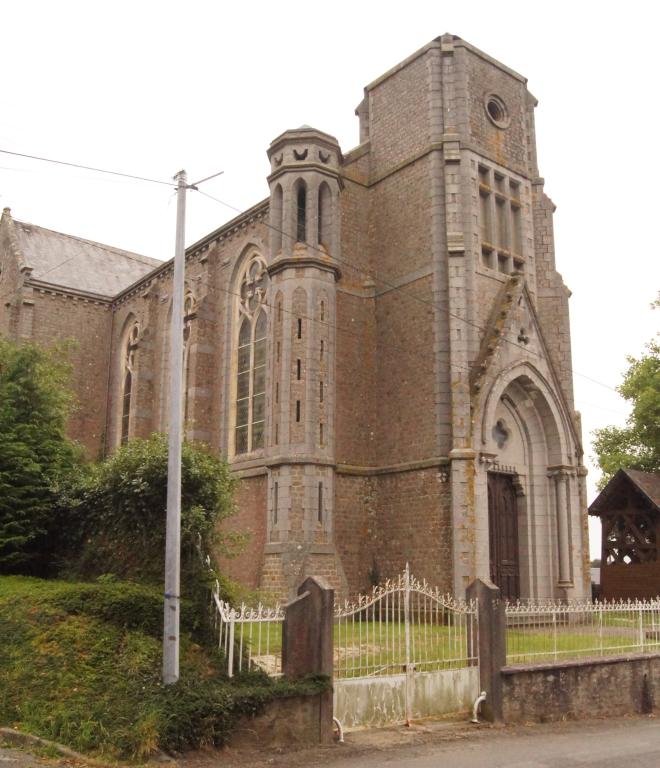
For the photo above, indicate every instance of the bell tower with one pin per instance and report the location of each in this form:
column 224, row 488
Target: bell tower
column 304, row 247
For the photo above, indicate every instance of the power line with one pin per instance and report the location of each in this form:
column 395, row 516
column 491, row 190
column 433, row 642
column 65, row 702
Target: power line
column 400, row 289
column 314, row 369
column 87, row 168
column 359, row 270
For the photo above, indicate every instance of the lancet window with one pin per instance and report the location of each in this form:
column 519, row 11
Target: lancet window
column 128, row 374
column 189, row 311
column 251, row 358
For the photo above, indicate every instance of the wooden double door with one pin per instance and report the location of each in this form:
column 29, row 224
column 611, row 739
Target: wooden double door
column 503, row 533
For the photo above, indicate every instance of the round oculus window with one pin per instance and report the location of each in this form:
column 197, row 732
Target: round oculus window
column 496, row 111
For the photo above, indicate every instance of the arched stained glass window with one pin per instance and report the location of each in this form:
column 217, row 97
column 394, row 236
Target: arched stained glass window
column 128, row 371
column 188, row 316
column 251, row 360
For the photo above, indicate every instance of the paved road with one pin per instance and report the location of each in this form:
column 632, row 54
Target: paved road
column 631, row 743
column 624, row 743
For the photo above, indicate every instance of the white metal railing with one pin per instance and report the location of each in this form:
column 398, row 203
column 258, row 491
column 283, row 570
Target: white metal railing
column 250, row 638
column 404, row 626
column 539, row 632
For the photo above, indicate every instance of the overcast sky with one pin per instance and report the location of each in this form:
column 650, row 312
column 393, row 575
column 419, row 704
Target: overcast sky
column 152, row 87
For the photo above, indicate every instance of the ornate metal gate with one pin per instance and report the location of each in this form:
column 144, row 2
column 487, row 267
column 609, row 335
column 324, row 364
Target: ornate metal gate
column 403, row 652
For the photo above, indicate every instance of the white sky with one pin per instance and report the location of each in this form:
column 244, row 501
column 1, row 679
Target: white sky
column 152, row 87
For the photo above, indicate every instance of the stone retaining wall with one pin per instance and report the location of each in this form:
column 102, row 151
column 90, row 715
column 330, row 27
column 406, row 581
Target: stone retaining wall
column 586, row 688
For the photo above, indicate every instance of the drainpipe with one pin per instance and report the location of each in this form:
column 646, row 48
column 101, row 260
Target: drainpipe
column 340, row 729
column 475, row 708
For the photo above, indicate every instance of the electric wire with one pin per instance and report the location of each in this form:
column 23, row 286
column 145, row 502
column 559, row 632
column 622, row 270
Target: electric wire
column 309, row 368
column 359, row 270
column 87, row 168
column 362, row 271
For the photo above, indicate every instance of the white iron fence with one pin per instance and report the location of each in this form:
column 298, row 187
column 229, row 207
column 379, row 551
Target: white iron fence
column 251, row 638
column 401, row 626
column 552, row 632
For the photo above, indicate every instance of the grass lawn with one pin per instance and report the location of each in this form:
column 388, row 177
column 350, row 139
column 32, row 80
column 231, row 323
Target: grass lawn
column 374, row 648
column 365, row 647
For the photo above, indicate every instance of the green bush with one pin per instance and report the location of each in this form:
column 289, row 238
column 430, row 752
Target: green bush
column 113, row 513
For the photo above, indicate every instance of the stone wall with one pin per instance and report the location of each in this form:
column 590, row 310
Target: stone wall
column 57, row 317
column 414, row 526
column 245, row 563
column 587, row 688
column 283, row 723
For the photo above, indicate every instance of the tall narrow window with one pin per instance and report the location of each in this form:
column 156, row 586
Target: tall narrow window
column 298, row 410
column 127, row 381
column 250, row 401
column 300, row 328
column 243, row 387
column 126, row 406
column 320, row 391
column 276, row 501
column 320, row 504
column 301, row 205
column 276, row 219
column 298, row 369
column 188, row 316
column 325, row 215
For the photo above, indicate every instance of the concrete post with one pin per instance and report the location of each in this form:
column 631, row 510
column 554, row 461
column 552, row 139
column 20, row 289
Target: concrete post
column 173, row 520
column 492, row 645
column 307, row 642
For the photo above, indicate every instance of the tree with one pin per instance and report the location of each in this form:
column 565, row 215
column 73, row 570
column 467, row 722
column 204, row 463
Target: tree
column 35, row 453
column 113, row 513
column 637, row 445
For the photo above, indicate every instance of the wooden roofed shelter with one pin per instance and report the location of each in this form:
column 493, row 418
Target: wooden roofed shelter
column 629, row 510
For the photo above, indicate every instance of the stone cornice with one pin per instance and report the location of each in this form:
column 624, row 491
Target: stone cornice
column 55, row 290
column 300, row 262
column 198, row 249
column 450, row 143
column 301, row 167
column 304, row 134
column 259, row 466
column 391, row 469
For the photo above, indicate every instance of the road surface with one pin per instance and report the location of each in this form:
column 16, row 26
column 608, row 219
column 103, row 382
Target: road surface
column 621, row 743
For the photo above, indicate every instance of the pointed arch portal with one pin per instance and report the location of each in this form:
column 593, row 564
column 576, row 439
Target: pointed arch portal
column 528, row 503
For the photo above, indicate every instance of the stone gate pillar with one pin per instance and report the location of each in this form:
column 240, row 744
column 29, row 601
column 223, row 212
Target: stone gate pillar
column 307, row 642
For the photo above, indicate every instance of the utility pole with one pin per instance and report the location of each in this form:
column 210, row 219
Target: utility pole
column 173, row 525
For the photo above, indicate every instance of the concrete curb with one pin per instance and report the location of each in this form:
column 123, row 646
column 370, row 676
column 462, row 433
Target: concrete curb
column 20, row 739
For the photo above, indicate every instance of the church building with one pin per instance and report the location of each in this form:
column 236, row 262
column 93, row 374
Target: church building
column 380, row 349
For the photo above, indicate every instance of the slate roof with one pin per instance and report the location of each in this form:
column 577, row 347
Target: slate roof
column 83, row 265
column 646, row 483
